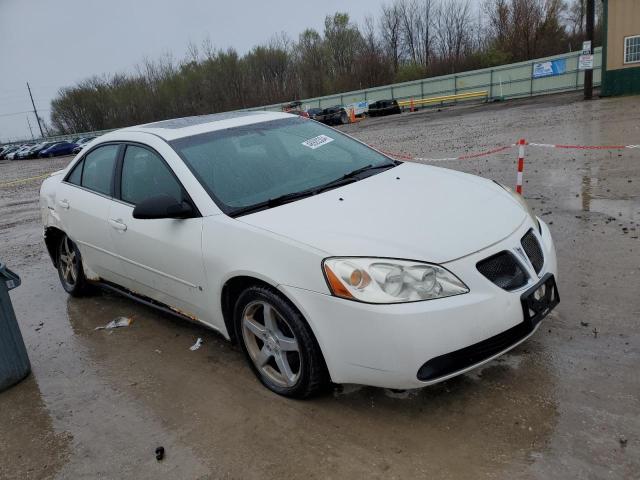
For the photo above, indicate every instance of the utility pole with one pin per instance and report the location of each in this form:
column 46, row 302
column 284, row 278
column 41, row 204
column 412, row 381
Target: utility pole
column 588, row 74
column 29, row 123
column 35, row 111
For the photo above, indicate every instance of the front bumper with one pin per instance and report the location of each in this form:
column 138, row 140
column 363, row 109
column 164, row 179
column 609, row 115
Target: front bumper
column 386, row 345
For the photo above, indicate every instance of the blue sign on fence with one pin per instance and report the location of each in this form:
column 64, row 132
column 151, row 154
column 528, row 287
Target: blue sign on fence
column 550, row 68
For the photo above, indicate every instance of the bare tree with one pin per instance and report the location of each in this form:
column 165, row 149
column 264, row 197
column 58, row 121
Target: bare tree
column 453, row 31
column 526, row 29
column 410, row 39
column 424, row 13
column 390, row 29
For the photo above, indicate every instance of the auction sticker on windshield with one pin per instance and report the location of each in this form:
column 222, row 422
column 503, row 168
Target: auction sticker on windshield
column 317, row 142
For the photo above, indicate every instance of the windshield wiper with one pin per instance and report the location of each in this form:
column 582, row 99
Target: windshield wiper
column 350, row 177
column 290, row 197
column 273, row 202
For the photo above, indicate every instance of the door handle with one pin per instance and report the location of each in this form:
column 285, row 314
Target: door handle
column 118, row 225
column 64, row 204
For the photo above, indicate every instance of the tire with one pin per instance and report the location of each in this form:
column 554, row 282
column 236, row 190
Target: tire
column 344, row 118
column 70, row 269
column 282, row 352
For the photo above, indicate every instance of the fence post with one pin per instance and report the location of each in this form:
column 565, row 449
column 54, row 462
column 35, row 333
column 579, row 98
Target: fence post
column 455, row 85
column 531, row 82
column 491, row 84
column 392, row 97
column 521, row 144
column 421, row 89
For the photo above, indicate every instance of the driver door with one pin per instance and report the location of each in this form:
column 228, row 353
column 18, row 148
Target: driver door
column 162, row 257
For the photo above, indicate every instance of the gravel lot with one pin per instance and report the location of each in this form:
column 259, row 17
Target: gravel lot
column 565, row 404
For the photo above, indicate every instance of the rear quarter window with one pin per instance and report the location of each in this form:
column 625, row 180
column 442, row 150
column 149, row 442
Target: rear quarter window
column 97, row 172
column 75, row 176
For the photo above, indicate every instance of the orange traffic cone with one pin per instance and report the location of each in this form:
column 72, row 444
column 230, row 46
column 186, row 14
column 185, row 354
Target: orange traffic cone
column 412, row 106
column 352, row 116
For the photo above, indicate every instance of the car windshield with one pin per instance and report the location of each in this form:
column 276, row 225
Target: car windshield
column 255, row 164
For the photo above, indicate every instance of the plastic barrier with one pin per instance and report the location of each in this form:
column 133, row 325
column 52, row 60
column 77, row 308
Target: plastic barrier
column 14, row 361
column 521, row 154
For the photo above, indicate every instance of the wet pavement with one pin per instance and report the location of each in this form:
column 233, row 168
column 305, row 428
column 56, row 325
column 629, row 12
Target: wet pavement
column 565, row 404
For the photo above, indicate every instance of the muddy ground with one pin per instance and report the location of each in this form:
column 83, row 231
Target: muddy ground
column 565, row 404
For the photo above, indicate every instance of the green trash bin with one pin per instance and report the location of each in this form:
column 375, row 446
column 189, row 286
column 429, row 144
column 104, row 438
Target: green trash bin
column 14, row 361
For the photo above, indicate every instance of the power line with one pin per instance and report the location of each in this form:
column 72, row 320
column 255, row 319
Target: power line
column 25, row 111
column 30, row 130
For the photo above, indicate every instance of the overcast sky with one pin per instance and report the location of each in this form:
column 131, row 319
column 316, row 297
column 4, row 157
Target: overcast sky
column 56, row 43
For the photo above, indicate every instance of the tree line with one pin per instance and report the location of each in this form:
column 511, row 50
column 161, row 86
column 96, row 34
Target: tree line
column 409, row 39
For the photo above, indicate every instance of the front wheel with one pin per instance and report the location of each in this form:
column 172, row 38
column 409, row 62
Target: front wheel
column 279, row 345
column 70, row 268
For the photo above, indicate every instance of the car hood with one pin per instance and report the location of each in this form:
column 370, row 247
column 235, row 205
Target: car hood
column 411, row 211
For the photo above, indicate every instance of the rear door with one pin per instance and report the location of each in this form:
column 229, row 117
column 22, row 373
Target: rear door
column 83, row 202
column 162, row 257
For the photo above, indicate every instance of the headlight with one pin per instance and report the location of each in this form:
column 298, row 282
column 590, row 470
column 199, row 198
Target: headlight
column 387, row 280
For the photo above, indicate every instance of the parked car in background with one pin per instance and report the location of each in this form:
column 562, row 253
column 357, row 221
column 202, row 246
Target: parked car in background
column 25, row 152
column 35, row 150
column 17, row 154
column 363, row 273
column 384, row 107
column 57, row 149
column 335, row 115
column 81, row 143
column 7, row 150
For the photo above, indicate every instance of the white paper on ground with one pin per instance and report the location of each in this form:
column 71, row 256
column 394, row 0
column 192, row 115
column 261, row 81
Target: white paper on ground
column 116, row 323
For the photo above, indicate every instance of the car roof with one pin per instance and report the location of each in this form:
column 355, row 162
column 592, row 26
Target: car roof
column 184, row 127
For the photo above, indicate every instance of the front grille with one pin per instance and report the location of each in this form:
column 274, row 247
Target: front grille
column 503, row 270
column 532, row 249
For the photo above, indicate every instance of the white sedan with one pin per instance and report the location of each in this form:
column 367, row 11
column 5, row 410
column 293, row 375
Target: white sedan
column 326, row 260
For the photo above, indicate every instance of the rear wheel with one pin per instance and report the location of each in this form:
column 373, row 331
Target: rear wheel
column 70, row 268
column 279, row 345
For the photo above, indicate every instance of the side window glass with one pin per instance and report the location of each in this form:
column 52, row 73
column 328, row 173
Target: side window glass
column 145, row 175
column 76, row 174
column 98, row 169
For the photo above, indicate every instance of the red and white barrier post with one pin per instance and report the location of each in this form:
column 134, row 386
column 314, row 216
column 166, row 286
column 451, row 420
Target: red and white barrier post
column 521, row 144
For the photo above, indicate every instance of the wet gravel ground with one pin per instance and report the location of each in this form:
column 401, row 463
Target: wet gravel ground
column 565, row 404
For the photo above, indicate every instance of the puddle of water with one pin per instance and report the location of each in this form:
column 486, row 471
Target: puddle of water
column 627, row 209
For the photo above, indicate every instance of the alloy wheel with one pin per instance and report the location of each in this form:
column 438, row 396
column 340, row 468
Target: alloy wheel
column 68, row 262
column 271, row 344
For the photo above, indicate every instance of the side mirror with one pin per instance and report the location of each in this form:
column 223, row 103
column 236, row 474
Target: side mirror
column 162, row 206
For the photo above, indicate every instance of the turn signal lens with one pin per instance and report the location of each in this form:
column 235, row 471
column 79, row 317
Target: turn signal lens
column 377, row 280
column 336, row 286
